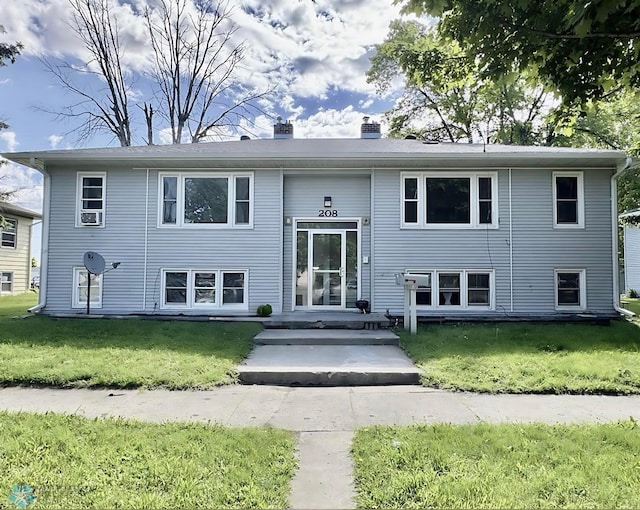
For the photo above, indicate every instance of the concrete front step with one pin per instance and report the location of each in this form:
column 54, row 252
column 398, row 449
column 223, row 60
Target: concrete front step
column 328, row 365
column 327, row 320
column 326, row 337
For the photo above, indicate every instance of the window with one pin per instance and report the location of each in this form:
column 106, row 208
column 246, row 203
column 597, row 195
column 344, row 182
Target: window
column 568, row 198
column 90, row 204
column 206, row 200
column 457, row 288
column 9, row 233
column 81, row 288
column 449, row 200
column 6, row 282
column 194, row 289
column 570, row 289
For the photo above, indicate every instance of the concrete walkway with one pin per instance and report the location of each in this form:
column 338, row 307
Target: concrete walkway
column 325, row 418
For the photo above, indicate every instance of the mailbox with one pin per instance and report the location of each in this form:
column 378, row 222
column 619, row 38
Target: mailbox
column 411, row 282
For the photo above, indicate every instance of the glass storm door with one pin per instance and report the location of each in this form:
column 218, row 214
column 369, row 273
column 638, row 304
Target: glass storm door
column 327, row 259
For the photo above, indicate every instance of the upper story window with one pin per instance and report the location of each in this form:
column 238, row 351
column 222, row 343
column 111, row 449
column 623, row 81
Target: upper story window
column 206, row 199
column 568, row 200
column 9, row 233
column 449, row 200
column 90, row 201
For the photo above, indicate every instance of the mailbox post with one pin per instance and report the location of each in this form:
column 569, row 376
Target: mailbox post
column 411, row 282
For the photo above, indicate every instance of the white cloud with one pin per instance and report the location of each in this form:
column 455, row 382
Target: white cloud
column 54, row 140
column 11, row 142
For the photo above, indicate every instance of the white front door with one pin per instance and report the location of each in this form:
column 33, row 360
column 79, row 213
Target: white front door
column 327, row 261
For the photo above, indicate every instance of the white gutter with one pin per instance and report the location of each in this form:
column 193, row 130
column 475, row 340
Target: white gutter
column 44, row 255
column 614, row 237
column 146, row 245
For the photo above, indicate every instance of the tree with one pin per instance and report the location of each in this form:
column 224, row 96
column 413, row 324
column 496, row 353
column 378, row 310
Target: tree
column 444, row 96
column 7, row 52
column 582, row 49
column 107, row 108
column 196, row 59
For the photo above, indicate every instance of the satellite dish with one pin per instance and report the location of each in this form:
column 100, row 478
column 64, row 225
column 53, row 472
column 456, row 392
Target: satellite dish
column 94, row 262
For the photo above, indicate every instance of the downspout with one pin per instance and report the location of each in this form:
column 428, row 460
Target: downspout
column 44, row 255
column 510, row 245
column 614, row 238
column 146, row 245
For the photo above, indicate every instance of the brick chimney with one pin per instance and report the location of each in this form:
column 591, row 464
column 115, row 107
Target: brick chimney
column 369, row 129
column 282, row 130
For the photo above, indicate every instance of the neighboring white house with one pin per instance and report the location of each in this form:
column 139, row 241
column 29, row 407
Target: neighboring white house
column 15, row 248
column 314, row 224
column 631, row 252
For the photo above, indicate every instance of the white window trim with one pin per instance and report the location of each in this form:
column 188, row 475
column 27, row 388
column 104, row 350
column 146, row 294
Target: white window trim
column 474, row 200
column 12, row 282
column 583, row 290
column 80, row 210
column 191, row 304
column 231, row 202
column 76, row 302
column 580, row 205
column 464, row 291
column 15, row 235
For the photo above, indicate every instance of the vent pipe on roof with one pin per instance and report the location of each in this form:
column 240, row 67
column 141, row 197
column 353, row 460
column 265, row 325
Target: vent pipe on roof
column 282, row 130
column 369, row 129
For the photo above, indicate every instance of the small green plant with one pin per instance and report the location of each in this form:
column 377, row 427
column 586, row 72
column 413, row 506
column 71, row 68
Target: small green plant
column 264, row 310
column 632, row 293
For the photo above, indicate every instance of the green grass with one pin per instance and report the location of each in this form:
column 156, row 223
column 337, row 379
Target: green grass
column 77, row 463
column 17, row 305
column 529, row 358
column 119, row 353
column 631, row 304
column 498, row 466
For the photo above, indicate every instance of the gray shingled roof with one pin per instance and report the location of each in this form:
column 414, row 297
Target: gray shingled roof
column 321, row 149
column 12, row 209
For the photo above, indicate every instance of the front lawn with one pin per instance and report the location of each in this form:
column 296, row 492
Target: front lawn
column 631, row 304
column 528, row 357
column 120, row 353
column 498, row 466
column 18, row 304
column 71, row 462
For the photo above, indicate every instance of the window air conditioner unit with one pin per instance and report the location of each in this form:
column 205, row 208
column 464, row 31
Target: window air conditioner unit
column 91, row 218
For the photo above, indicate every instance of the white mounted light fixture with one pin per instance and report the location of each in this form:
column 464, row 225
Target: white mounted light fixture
column 327, row 201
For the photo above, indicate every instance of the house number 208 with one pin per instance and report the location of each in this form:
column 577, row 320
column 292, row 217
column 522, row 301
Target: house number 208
column 327, row 213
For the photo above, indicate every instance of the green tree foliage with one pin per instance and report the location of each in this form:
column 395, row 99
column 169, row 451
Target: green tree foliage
column 8, row 52
column 581, row 49
column 445, row 98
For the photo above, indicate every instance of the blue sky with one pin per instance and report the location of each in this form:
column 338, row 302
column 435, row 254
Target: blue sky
column 315, row 53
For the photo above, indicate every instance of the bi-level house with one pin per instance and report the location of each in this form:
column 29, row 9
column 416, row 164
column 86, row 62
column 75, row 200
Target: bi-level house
column 314, row 224
column 15, row 248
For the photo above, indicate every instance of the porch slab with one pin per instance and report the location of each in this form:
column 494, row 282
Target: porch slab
column 316, row 336
column 327, row 319
column 328, row 365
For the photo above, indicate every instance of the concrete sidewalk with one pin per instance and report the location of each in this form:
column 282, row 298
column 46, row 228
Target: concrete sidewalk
column 322, row 409
column 324, row 418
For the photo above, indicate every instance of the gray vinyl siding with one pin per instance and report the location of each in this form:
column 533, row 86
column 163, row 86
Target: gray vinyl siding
column 632, row 258
column 121, row 240
column 256, row 250
column 538, row 248
column 17, row 260
column 397, row 249
column 303, row 198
